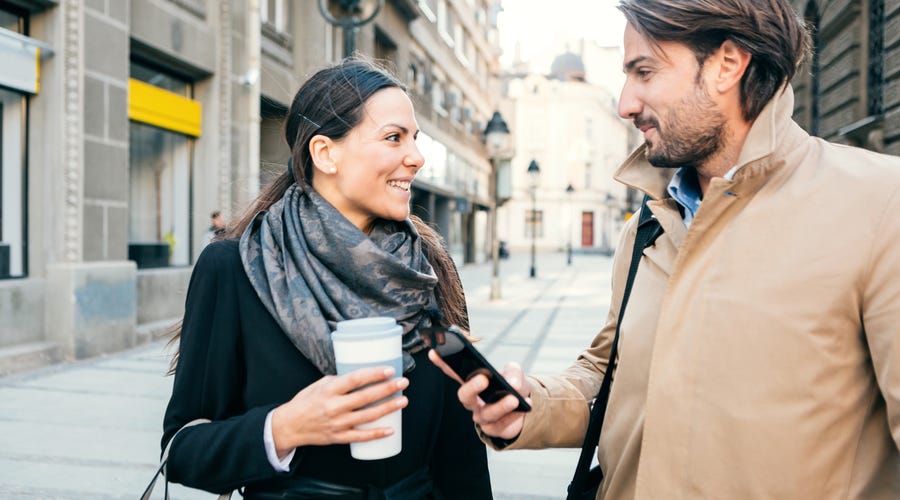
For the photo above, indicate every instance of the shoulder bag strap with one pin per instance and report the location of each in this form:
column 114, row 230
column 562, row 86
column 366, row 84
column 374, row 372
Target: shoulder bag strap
column 647, row 232
column 165, row 458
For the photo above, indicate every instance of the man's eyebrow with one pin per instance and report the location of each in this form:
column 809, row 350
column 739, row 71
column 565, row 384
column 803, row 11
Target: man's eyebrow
column 629, row 66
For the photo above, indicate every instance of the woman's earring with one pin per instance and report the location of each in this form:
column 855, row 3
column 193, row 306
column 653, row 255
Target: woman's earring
column 332, row 169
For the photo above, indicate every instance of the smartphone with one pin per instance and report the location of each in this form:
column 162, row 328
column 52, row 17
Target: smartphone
column 460, row 355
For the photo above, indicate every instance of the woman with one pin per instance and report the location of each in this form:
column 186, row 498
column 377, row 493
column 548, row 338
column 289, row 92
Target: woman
column 330, row 239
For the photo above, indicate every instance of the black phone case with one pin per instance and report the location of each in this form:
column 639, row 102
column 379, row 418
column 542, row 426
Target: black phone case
column 470, row 362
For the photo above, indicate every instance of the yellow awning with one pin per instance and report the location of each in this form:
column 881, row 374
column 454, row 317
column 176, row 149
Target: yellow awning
column 167, row 110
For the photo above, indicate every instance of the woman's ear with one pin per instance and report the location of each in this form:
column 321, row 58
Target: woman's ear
column 323, row 151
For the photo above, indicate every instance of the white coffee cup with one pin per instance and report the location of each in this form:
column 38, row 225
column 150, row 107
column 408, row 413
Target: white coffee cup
column 368, row 342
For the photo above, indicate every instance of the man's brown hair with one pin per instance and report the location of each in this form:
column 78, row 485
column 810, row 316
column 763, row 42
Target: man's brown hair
column 769, row 30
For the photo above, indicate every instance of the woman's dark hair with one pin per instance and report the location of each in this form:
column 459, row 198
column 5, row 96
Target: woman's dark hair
column 769, row 30
column 331, row 103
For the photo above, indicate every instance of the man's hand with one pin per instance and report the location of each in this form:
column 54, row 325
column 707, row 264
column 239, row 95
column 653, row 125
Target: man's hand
column 497, row 419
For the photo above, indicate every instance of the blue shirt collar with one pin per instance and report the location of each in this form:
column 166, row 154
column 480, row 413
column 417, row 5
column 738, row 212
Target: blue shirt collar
column 684, row 188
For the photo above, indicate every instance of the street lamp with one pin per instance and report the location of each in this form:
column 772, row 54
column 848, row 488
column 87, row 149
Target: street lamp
column 349, row 15
column 496, row 138
column 534, row 175
column 569, row 191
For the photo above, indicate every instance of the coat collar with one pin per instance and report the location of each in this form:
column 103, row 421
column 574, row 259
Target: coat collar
column 773, row 129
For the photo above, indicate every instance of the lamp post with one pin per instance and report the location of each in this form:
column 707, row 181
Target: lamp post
column 610, row 202
column 569, row 191
column 349, row 16
column 534, row 175
column 496, row 139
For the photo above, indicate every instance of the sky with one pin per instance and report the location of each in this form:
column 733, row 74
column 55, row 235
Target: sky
column 542, row 28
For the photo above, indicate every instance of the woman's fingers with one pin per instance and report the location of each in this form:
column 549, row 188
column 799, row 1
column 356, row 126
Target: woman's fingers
column 343, row 384
column 368, row 394
column 329, row 410
column 354, row 426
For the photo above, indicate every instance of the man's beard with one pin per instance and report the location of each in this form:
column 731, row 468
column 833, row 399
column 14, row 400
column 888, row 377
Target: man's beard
column 692, row 132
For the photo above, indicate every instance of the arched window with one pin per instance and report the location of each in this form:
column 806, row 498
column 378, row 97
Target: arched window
column 812, row 19
column 875, row 87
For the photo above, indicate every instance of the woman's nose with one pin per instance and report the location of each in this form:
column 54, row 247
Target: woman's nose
column 414, row 157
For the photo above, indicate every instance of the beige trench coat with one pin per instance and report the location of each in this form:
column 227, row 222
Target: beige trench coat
column 760, row 352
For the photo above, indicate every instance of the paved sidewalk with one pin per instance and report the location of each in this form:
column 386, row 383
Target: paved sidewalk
column 91, row 429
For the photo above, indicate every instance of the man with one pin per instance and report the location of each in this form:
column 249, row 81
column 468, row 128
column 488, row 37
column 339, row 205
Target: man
column 759, row 356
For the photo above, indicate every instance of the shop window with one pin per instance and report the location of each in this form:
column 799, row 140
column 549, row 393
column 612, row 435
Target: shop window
column 13, row 133
column 164, row 121
column 12, row 184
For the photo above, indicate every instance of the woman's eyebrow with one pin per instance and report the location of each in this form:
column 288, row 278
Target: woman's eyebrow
column 396, row 125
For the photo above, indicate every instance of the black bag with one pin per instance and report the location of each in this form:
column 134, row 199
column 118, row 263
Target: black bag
column 586, row 480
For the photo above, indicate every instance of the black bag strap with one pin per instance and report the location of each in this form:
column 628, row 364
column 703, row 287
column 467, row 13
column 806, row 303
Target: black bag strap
column 647, row 232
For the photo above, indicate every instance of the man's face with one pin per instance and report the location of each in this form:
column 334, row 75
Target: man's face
column 666, row 97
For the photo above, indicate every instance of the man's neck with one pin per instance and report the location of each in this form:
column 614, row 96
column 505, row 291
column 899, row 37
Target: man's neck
column 726, row 158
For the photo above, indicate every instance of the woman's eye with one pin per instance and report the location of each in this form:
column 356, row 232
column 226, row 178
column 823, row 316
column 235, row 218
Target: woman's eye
column 393, row 137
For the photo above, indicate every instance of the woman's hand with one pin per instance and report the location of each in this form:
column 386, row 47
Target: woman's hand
column 327, row 411
column 498, row 419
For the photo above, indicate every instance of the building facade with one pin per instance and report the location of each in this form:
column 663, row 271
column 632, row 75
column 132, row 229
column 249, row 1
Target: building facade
column 569, row 127
column 848, row 91
column 127, row 122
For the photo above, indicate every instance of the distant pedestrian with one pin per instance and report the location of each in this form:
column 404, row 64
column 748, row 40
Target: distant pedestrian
column 330, row 239
column 216, row 227
column 759, row 353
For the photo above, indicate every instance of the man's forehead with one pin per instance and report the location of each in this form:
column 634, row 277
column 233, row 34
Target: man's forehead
column 641, row 49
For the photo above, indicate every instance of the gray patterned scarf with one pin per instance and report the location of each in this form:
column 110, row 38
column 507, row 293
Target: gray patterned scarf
column 311, row 267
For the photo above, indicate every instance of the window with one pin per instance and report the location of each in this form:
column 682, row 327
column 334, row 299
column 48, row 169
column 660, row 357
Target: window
column 439, row 94
column 159, row 231
column 429, row 8
column 445, row 22
column 459, row 38
column 12, row 184
column 274, row 13
column 385, row 49
column 534, row 224
column 12, row 22
column 875, row 91
column 453, row 104
column 13, row 135
column 417, row 71
column 812, row 20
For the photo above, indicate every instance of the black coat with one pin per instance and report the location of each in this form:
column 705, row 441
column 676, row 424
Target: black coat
column 236, row 364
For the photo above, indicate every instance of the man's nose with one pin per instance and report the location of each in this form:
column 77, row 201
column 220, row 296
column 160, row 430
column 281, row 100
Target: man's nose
column 629, row 105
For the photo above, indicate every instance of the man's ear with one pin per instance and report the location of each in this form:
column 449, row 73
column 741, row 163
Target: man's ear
column 733, row 62
column 323, row 151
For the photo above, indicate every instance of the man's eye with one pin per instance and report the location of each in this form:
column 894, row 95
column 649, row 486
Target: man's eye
column 643, row 73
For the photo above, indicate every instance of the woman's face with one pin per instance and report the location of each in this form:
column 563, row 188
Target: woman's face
column 367, row 174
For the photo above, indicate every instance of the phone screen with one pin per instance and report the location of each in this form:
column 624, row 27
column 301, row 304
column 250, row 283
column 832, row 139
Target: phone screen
column 466, row 361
